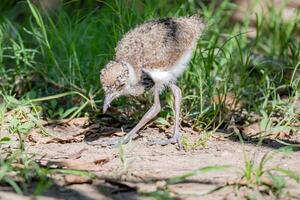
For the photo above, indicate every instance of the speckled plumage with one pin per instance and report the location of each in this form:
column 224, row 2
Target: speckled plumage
column 152, row 55
column 158, row 44
column 113, row 75
column 153, row 46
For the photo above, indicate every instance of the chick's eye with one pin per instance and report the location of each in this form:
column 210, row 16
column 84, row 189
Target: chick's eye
column 121, row 86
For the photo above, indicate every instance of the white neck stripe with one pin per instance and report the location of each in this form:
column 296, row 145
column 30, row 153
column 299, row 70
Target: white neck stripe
column 132, row 75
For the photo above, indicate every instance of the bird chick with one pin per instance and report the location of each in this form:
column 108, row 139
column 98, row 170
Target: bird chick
column 152, row 56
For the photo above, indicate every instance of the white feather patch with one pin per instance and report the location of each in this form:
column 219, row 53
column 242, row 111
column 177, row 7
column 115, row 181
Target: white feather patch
column 163, row 78
column 132, row 75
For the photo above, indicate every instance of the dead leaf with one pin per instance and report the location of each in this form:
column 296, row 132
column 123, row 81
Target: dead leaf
column 282, row 135
column 252, row 129
column 75, row 164
column 229, row 100
column 81, row 121
column 71, row 179
column 161, row 185
column 36, row 137
column 94, row 126
column 101, row 161
column 78, row 122
column 119, row 133
column 75, row 155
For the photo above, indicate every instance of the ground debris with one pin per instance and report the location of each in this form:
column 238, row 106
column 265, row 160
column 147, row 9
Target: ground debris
column 78, row 122
column 255, row 131
column 229, row 100
column 76, row 164
column 76, row 179
column 38, row 138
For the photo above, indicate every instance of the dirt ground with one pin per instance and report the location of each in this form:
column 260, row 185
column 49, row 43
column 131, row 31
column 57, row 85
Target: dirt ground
column 142, row 169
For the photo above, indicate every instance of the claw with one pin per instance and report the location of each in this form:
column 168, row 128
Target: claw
column 113, row 142
column 173, row 140
column 107, row 143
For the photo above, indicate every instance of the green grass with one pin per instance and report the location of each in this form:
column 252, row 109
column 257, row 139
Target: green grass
column 48, row 54
column 263, row 179
column 50, row 64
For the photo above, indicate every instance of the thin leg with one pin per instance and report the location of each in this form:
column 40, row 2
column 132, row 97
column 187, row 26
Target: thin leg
column 177, row 102
column 152, row 112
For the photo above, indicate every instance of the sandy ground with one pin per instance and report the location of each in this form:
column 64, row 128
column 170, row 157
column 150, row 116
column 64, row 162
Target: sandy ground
column 142, row 169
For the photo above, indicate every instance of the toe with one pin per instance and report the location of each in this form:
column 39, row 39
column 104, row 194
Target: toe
column 163, row 142
column 106, row 143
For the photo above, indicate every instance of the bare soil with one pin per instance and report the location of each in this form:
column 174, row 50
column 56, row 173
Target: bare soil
column 141, row 170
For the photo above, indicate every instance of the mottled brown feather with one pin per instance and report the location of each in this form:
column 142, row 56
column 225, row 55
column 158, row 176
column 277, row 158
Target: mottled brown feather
column 151, row 46
column 113, row 75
